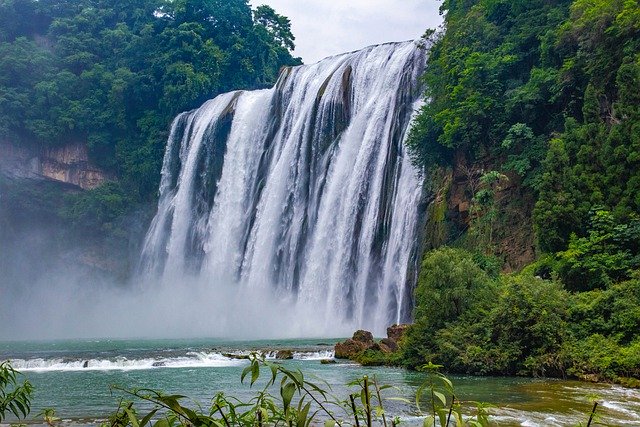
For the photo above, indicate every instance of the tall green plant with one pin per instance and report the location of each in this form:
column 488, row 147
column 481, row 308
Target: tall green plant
column 15, row 396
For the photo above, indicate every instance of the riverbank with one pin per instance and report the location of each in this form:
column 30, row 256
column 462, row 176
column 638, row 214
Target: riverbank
column 363, row 349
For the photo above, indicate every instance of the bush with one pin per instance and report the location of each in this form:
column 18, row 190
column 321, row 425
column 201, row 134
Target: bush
column 530, row 324
column 451, row 286
column 611, row 312
column 473, row 324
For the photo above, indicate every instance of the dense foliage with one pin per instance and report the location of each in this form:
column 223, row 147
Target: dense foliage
column 521, row 324
column 545, row 94
column 114, row 73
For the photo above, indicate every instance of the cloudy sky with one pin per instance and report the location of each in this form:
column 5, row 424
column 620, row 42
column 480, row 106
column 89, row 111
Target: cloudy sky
column 328, row 27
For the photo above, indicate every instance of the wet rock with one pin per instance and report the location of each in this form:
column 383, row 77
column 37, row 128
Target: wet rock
column 396, row 332
column 85, row 364
column 328, row 361
column 284, row 354
column 236, row 356
column 388, row 345
column 375, row 347
column 365, row 337
column 158, row 364
column 349, row 349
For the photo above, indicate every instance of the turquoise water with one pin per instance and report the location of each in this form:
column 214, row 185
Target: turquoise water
column 74, row 377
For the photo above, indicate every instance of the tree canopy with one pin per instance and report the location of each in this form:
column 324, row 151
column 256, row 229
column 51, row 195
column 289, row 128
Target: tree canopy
column 114, row 73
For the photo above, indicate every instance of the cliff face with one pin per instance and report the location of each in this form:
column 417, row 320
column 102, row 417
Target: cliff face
column 454, row 216
column 69, row 164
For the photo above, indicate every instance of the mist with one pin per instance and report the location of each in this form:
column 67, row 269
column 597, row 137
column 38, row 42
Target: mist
column 55, row 284
column 66, row 301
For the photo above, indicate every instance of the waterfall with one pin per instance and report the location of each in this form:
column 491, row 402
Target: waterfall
column 303, row 193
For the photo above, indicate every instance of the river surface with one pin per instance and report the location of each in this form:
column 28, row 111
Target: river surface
column 74, row 377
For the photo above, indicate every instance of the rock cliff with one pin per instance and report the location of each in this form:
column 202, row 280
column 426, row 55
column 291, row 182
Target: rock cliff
column 69, row 164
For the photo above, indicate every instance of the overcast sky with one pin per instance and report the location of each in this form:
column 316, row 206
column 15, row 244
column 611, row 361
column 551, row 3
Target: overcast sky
column 327, row 27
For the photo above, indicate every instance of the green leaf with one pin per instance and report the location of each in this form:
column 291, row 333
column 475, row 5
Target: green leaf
column 302, row 415
column 132, row 417
column 148, row 417
column 287, row 393
column 274, row 373
column 172, row 404
column 255, row 371
column 441, row 397
column 162, row 422
column 447, row 382
column 245, row 371
column 318, row 389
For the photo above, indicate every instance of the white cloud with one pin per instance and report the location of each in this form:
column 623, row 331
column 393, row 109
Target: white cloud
column 329, row 27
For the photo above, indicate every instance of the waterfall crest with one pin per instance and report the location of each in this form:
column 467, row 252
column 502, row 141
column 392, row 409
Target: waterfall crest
column 302, row 192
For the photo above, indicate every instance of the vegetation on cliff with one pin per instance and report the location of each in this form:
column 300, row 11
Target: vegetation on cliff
column 520, row 324
column 113, row 74
column 535, row 106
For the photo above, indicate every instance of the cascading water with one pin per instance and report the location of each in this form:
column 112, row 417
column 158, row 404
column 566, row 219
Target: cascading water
column 302, row 192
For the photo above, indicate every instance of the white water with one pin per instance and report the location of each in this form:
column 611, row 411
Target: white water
column 193, row 359
column 297, row 204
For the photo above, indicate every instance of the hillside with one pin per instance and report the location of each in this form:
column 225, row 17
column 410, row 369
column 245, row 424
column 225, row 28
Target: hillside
column 530, row 140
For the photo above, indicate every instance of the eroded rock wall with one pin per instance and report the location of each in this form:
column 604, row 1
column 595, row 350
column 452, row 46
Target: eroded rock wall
column 69, row 164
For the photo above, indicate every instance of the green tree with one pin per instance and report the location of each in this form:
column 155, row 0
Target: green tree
column 451, row 286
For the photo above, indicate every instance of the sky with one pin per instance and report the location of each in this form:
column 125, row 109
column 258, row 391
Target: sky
column 328, row 27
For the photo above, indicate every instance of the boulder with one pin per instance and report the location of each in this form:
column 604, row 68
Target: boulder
column 328, row 361
column 388, row 345
column 284, row 354
column 396, row 332
column 348, row 349
column 364, row 337
column 236, row 356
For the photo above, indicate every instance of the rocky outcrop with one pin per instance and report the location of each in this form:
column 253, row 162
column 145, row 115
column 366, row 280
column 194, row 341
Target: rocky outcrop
column 395, row 333
column 349, row 349
column 236, row 356
column 451, row 211
column 67, row 163
column 388, row 345
column 362, row 340
column 284, row 354
column 364, row 337
column 362, row 345
column 70, row 164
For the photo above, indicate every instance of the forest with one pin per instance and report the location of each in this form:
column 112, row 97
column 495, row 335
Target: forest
column 537, row 103
column 113, row 74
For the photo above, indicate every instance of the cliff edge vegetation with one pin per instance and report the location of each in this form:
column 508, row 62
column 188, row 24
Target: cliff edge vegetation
column 531, row 141
column 109, row 77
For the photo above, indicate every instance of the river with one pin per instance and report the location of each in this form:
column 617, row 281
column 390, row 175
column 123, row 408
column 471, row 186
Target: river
column 74, row 377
